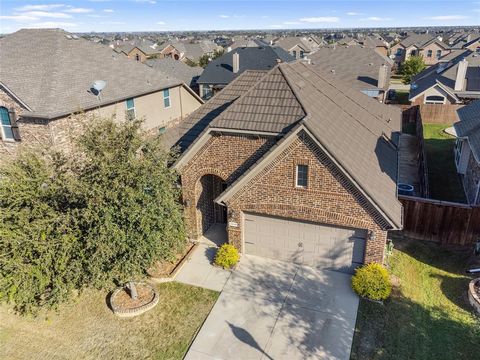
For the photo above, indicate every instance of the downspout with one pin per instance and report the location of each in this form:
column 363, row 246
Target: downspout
column 181, row 105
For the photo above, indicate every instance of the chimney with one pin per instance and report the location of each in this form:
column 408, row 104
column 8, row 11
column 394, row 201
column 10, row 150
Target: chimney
column 382, row 76
column 236, row 62
column 461, row 73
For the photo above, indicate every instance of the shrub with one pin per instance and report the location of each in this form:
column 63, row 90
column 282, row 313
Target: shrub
column 372, row 281
column 98, row 215
column 227, row 256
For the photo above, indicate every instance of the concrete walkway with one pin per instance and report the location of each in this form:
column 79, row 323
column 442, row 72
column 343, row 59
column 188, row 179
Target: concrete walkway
column 275, row 310
column 198, row 271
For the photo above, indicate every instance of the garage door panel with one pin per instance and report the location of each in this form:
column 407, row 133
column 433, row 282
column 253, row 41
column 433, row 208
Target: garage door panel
column 302, row 242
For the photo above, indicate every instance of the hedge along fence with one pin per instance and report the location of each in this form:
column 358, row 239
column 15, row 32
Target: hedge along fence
column 446, row 223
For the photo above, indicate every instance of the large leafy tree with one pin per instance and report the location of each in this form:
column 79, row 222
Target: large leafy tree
column 411, row 67
column 102, row 213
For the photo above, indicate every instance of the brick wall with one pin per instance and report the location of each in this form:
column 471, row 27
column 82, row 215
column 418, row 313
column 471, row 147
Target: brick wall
column 226, row 156
column 329, row 199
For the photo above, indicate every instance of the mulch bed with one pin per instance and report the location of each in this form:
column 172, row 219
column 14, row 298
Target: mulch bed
column 165, row 268
column 123, row 300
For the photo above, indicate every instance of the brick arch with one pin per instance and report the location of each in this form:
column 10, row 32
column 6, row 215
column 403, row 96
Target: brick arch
column 207, row 188
column 211, row 171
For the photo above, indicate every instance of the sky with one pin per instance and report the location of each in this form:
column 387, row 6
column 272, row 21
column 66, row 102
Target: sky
column 169, row 15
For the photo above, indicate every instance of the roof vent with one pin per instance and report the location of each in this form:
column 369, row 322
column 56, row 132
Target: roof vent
column 98, row 86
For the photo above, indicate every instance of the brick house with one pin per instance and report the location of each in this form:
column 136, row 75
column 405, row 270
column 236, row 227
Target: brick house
column 425, row 45
column 295, row 166
column 454, row 80
column 38, row 94
column 140, row 49
column 467, row 150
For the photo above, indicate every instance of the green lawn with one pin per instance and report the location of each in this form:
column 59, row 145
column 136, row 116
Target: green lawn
column 427, row 316
column 443, row 180
column 87, row 329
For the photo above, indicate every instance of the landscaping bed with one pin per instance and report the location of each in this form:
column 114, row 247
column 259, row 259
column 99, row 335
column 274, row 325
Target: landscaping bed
column 165, row 269
column 443, row 180
column 87, row 328
column 428, row 315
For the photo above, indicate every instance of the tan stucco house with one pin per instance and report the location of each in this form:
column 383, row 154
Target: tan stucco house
column 48, row 75
column 294, row 166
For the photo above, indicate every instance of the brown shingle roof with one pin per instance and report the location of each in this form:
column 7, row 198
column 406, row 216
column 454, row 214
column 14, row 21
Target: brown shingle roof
column 359, row 132
column 52, row 72
column 188, row 130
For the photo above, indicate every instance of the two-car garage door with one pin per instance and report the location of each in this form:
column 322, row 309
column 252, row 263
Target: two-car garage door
column 305, row 243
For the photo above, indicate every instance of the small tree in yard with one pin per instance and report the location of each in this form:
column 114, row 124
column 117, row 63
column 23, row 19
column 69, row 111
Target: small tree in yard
column 413, row 66
column 101, row 214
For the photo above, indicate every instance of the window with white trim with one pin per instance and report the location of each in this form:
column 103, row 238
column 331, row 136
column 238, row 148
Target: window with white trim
column 430, row 53
column 130, row 103
column 166, row 98
column 434, row 99
column 439, row 54
column 301, row 177
column 294, row 54
column 7, row 131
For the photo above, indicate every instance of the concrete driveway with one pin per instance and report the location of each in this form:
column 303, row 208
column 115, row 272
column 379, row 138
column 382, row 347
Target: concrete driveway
column 275, row 310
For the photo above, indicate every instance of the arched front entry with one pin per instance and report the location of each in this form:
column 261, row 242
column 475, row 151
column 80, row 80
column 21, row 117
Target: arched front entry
column 208, row 188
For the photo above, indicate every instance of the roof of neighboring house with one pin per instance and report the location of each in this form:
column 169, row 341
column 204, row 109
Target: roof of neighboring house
column 473, row 41
column 188, row 74
column 188, row 130
column 373, row 42
column 358, row 132
column 469, row 126
column 290, row 42
column 220, row 70
column 421, row 40
column 444, row 73
column 356, row 65
column 193, row 51
column 52, row 72
column 146, row 46
column 246, row 43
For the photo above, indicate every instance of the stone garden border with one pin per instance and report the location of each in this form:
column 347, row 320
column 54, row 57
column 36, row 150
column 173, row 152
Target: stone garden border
column 473, row 297
column 138, row 310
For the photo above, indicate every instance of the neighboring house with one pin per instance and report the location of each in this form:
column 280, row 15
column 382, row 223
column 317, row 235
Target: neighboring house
column 221, row 71
column 295, row 166
column 454, row 80
column 177, row 69
column 376, row 43
column 425, row 45
column 362, row 68
column 139, row 49
column 239, row 43
column 473, row 45
column 467, row 150
column 192, row 51
column 47, row 75
column 298, row 47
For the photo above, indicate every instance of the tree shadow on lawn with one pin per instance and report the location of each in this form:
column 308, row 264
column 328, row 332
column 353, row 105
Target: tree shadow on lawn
column 451, row 260
column 402, row 329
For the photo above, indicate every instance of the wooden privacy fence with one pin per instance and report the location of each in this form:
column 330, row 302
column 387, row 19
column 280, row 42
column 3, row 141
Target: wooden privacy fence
column 449, row 224
column 438, row 114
